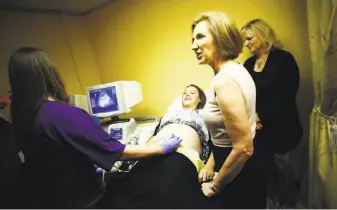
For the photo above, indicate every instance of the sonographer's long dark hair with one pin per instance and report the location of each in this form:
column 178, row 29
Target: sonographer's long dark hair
column 33, row 77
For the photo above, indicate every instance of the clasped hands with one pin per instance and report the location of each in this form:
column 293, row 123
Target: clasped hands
column 259, row 126
column 206, row 175
column 208, row 187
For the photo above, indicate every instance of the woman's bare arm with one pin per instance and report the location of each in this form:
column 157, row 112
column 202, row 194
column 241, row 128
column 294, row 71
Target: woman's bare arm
column 152, row 140
column 233, row 109
column 141, row 151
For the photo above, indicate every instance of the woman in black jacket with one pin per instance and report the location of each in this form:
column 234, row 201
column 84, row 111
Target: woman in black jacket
column 276, row 76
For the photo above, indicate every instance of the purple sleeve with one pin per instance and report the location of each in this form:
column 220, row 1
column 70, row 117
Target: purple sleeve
column 78, row 129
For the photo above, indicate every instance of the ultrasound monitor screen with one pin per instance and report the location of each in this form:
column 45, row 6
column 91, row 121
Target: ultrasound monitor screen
column 103, row 100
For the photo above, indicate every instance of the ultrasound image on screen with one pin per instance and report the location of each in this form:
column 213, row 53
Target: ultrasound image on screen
column 103, row 100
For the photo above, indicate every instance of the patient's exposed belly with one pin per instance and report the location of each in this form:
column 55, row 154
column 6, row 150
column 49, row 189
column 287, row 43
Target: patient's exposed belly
column 189, row 136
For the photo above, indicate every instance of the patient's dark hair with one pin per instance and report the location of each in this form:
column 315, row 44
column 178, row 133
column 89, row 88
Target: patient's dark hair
column 201, row 104
column 33, row 77
column 202, row 96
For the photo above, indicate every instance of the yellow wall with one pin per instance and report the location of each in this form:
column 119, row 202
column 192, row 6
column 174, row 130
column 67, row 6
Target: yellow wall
column 150, row 41
column 63, row 37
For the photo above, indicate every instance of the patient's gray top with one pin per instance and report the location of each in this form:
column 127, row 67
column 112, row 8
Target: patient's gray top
column 192, row 118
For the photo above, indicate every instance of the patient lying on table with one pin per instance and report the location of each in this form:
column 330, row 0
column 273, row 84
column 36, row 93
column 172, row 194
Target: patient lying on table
column 185, row 120
column 172, row 181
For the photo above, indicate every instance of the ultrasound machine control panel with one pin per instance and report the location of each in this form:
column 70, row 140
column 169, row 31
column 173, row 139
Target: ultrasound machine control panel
column 121, row 131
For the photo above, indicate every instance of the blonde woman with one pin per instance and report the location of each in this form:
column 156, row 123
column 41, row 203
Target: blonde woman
column 276, row 76
column 229, row 114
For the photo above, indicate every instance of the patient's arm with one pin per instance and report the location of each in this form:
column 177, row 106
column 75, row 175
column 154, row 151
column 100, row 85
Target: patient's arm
column 210, row 162
column 207, row 173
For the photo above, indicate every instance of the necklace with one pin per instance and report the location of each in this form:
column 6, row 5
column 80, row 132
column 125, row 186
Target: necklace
column 258, row 64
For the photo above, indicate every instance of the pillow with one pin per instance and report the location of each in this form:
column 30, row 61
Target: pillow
column 176, row 104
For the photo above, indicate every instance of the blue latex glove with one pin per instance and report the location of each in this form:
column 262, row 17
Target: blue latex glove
column 170, row 143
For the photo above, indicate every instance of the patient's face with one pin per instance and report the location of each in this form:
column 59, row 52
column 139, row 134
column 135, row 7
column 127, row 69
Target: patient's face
column 190, row 98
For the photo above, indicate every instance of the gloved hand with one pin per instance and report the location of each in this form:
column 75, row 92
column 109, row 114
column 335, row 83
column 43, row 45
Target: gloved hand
column 170, row 143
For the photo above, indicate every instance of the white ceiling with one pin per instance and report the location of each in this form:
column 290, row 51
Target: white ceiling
column 66, row 6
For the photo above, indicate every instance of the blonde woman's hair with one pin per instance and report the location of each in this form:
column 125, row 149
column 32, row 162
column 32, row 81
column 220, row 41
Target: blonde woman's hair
column 225, row 32
column 265, row 33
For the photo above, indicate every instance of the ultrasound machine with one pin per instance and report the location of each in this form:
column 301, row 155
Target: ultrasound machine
column 105, row 102
column 112, row 99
